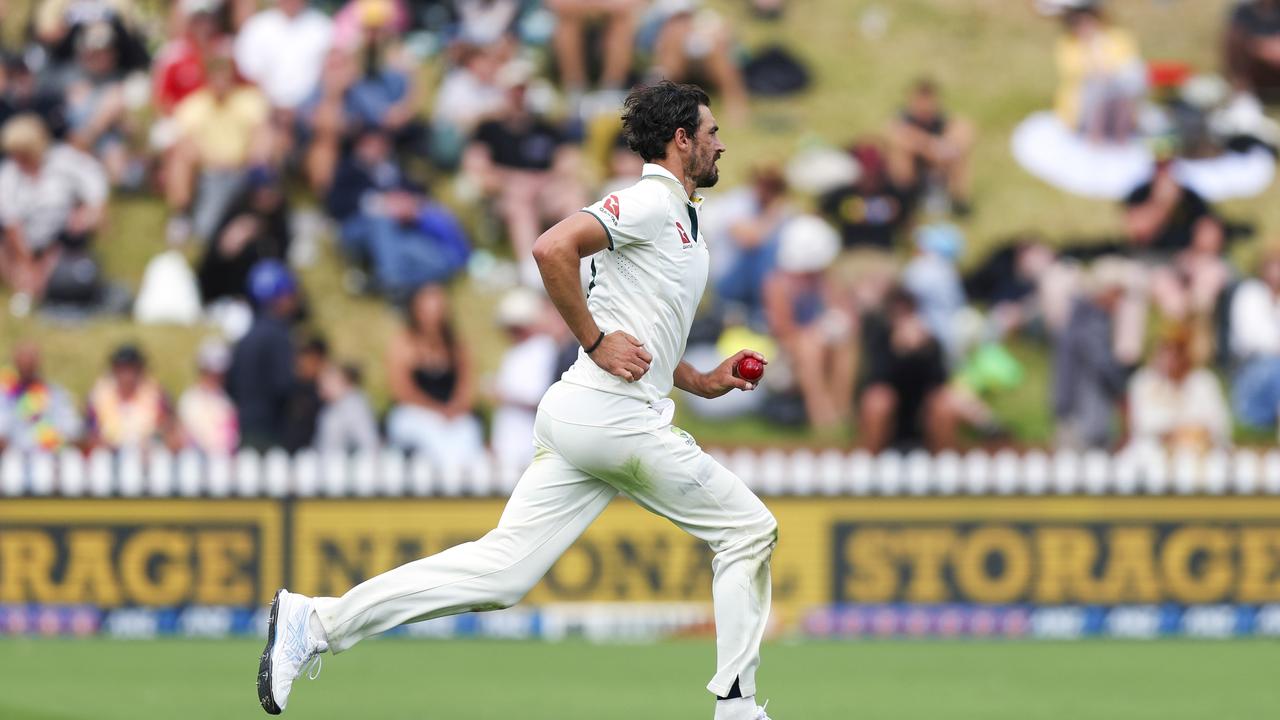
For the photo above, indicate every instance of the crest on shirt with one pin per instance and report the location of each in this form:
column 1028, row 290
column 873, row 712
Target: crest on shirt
column 684, row 236
column 613, row 207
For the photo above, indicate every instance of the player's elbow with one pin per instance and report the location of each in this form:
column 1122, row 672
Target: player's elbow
column 547, row 247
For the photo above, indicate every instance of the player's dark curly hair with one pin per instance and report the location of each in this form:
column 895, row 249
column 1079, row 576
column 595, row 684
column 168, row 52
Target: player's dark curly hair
column 655, row 112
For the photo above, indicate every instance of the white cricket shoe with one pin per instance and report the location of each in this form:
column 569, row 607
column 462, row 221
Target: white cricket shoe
column 291, row 650
column 740, row 709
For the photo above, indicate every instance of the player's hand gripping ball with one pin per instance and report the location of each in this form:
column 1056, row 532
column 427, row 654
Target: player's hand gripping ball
column 749, row 369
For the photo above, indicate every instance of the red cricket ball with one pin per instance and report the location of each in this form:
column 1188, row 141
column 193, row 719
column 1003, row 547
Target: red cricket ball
column 749, row 368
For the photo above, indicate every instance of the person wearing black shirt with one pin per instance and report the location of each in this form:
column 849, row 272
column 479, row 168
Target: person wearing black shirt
column 526, row 165
column 254, row 228
column 904, row 399
column 1161, row 214
column 872, row 211
column 928, row 148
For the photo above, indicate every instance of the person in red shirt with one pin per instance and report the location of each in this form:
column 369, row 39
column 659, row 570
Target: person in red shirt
column 180, row 65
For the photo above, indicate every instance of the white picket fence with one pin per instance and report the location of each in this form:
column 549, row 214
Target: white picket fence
column 158, row 473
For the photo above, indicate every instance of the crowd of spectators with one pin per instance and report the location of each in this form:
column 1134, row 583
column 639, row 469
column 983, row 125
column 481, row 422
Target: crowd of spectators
column 844, row 264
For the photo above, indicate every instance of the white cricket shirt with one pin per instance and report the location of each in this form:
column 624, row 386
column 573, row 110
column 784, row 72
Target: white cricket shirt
column 649, row 282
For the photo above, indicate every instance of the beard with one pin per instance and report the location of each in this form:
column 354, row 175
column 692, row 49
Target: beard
column 705, row 176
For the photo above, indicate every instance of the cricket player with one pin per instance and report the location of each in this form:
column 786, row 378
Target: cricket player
column 603, row 429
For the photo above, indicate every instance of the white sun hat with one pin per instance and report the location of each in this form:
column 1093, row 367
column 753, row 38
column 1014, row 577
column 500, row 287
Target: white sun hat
column 519, row 308
column 807, row 244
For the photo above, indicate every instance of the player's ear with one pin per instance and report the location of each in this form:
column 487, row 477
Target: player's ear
column 681, row 138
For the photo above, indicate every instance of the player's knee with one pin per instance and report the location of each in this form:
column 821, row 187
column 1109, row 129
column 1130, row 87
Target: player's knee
column 769, row 534
column 755, row 538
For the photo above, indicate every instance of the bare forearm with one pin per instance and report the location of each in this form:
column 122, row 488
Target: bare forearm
column 564, row 286
column 688, row 378
column 559, row 252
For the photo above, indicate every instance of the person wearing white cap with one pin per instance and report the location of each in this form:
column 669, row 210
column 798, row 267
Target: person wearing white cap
column 205, row 411
column 805, row 316
column 604, row 429
column 526, row 371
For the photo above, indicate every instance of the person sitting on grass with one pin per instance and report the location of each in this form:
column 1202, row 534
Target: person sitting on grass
column 205, row 412
column 527, row 166
column 1090, row 370
column 619, row 19
column 1160, row 215
column 52, row 196
column 94, row 94
column 1101, row 74
column 388, row 222
column 692, row 40
column 807, row 318
column 929, row 148
column 35, row 414
column 223, row 131
column 346, row 423
column 127, row 408
column 905, row 401
column 430, row 374
column 255, row 227
column 1174, row 401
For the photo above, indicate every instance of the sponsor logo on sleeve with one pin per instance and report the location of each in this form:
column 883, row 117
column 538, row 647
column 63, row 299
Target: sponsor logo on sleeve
column 613, row 207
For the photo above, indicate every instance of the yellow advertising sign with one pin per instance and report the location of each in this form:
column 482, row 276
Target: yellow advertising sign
column 1039, row 550
column 109, row 553
column 1033, row 550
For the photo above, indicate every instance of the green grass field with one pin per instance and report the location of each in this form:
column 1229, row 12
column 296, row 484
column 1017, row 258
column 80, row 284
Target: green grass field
column 473, row 680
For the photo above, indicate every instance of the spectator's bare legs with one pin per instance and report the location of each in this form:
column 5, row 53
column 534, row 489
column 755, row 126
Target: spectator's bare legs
column 949, row 154
column 180, row 167
column 519, row 209
column 906, row 143
column 669, row 59
column 843, row 357
column 109, row 113
column 321, row 159
column 809, row 353
column 941, row 420
column 1169, row 294
column 619, row 45
column 322, row 154
column 954, row 152
column 726, row 74
column 567, row 41
column 25, row 272
column 115, row 160
column 876, row 411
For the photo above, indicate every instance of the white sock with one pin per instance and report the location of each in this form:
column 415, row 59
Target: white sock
column 743, row 708
column 316, row 632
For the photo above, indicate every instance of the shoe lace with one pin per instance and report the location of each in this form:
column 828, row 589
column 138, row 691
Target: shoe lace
column 760, row 711
column 311, row 666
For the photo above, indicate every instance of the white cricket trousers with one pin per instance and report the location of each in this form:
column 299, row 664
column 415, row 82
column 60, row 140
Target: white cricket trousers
column 590, row 445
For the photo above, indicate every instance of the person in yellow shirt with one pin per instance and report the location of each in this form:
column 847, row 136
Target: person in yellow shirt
column 223, row 130
column 1101, row 74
